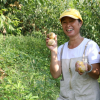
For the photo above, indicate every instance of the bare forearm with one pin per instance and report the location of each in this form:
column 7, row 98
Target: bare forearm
column 54, row 65
column 95, row 71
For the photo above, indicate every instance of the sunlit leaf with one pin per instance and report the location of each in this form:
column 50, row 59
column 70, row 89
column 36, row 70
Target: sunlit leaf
column 3, row 17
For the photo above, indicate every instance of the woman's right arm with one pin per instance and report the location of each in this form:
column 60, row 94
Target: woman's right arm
column 55, row 65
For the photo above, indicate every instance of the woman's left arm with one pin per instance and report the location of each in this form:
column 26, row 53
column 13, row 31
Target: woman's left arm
column 94, row 60
column 95, row 72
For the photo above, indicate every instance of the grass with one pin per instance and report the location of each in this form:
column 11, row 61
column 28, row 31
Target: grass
column 25, row 60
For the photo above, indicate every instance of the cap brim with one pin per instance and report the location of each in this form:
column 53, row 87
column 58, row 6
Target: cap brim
column 69, row 16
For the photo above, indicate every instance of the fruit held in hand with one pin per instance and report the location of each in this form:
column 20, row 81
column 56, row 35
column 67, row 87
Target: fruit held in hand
column 51, row 38
column 82, row 67
column 51, row 35
column 51, row 42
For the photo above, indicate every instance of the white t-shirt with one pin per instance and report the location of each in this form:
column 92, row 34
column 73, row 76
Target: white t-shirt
column 91, row 51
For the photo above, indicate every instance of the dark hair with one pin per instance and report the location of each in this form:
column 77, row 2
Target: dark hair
column 77, row 19
column 62, row 19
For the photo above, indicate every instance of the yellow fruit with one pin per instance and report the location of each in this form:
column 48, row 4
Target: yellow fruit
column 80, row 62
column 51, row 42
column 51, row 35
column 82, row 67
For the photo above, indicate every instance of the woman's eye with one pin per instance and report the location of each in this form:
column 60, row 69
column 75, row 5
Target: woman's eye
column 71, row 21
column 64, row 22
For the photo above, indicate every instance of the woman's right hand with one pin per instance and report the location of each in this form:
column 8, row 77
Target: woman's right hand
column 51, row 47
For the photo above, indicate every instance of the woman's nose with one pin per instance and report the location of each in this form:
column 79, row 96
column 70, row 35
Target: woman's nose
column 68, row 24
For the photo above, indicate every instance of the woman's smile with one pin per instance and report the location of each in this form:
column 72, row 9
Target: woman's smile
column 69, row 30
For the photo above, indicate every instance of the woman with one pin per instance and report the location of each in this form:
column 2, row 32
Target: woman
column 75, row 85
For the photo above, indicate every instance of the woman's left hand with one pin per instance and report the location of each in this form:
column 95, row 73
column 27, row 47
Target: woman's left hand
column 77, row 68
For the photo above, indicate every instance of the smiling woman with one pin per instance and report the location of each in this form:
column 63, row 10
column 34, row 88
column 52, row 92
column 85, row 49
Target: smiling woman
column 71, row 27
column 65, row 58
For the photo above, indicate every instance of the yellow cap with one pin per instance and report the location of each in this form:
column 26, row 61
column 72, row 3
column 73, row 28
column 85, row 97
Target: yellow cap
column 73, row 13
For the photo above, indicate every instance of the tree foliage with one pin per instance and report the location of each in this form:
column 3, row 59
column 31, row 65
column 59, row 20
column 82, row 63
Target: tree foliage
column 29, row 16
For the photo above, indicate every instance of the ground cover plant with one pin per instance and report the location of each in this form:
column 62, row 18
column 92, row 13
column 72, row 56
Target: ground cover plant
column 25, row 60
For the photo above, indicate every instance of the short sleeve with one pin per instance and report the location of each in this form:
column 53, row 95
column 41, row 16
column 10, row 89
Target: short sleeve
column 59, row 51
column 93, row 52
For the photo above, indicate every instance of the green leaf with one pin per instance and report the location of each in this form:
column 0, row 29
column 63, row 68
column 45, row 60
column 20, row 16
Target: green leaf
column 26, row 1
column 41, row 1
column 34, row 97
column 1, row 23
column 10, row 27
column 3, row 17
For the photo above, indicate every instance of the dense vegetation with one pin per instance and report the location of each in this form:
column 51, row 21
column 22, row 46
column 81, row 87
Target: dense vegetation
column 24, row 57
column 25, row 64
column 27, row 16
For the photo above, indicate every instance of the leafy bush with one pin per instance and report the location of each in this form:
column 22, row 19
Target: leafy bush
column 26, row 60
column 43, row 16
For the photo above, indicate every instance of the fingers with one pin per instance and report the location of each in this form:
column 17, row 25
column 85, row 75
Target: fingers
column 55, row 38
column 80, row 73
column 77, row 68
column 47, row 35
column 53, row 41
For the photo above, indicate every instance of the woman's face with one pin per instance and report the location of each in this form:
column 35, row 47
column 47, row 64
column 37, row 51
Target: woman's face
column 71, row 27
